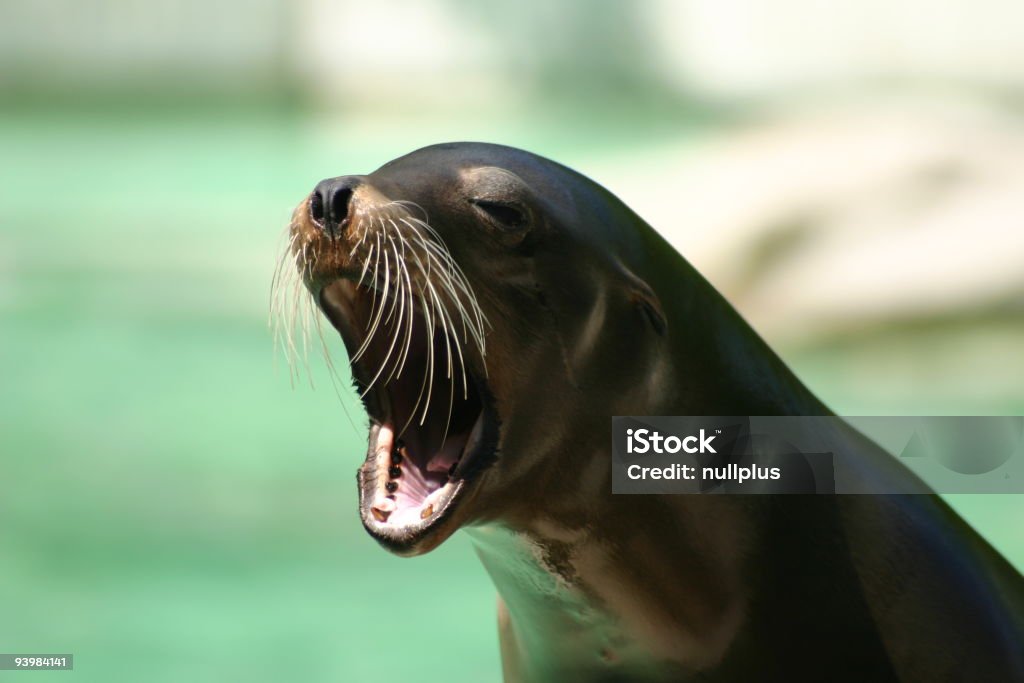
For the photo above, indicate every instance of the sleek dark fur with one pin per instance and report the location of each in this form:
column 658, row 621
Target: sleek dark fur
column 593, row 314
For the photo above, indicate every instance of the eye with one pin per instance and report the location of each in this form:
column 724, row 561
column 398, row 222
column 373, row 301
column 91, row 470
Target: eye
column 507, row 215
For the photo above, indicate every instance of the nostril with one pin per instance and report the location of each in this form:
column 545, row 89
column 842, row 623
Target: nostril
column 330, row 202
column 316, row 207
column 339, row 205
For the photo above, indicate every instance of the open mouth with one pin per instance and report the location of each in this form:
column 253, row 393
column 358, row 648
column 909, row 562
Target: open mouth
column 433, row 428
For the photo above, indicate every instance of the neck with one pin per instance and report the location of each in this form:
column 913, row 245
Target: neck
column 723, row 367
column 663, row 587
column 719, row 364
column 649, row 583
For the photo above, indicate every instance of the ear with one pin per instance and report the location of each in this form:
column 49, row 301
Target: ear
column 645, row 301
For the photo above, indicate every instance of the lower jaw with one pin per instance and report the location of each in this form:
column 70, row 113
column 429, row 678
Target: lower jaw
column 408, row 529
column 408, row 540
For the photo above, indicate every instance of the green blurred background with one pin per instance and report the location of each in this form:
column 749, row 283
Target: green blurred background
column 171, row 508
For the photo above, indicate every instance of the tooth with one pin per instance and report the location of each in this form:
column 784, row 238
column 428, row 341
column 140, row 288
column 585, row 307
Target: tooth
column 391, row 486
column 399, row 453
column 427, row 511
column 394, row 472
column 380, row 515
column 385, row 505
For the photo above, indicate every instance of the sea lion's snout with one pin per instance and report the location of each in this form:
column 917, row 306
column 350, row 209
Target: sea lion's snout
column 383, row 276
column 330, row 204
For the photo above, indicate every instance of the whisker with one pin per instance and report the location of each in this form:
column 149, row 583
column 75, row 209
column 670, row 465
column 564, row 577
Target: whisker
column 453, row 274
column 408, row 294
column 374, row 317
column 410, row 272
column 394, row 337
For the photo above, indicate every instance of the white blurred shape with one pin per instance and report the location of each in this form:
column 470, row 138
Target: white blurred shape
column 402, row 50
column 882, row 209
column 737, row 48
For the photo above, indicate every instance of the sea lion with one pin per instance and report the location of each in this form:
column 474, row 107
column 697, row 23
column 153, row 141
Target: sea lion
column 498, row 308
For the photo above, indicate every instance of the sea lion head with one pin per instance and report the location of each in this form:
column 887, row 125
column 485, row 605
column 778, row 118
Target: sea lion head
column 495, row 312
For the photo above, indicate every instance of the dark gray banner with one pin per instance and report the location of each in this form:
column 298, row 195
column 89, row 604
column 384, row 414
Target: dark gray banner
column 874, row 455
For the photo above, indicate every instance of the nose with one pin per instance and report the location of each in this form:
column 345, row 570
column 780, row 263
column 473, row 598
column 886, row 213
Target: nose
column 329, row 205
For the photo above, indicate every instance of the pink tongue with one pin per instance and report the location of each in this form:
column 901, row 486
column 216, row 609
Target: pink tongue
column 447, row 456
